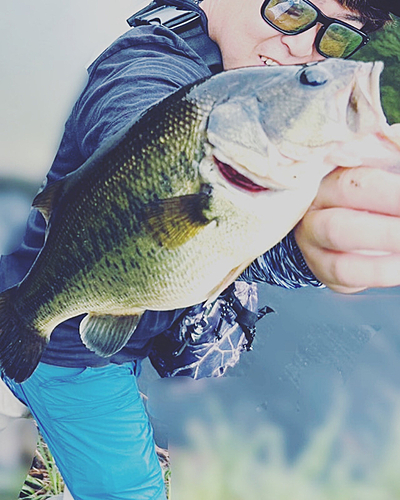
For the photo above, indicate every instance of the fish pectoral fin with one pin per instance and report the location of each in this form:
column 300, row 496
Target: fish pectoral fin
column 107, row 334
column 46, row 199
column 174, row 221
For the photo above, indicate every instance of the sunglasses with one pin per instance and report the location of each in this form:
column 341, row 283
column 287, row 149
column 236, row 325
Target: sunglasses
column 334, row 39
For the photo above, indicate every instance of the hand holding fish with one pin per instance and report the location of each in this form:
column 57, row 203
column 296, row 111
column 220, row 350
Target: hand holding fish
column 350, row 237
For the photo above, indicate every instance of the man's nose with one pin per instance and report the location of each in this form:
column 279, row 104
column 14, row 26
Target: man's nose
column 301, row 45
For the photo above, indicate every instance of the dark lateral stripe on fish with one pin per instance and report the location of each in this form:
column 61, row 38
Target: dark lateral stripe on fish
column 20, row 347
column 237, row 179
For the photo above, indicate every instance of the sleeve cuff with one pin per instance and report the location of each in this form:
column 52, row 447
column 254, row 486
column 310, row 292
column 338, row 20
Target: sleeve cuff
column 283, row 265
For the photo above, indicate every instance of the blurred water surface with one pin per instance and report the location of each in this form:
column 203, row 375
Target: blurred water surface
column 313, row 412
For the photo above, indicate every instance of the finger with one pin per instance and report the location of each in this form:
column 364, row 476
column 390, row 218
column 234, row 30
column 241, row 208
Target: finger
column 347, row 272
column 345, row 230
column 360, row 188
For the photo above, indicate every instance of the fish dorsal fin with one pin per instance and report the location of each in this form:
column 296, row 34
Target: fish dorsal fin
column 174, row 221
column 107, row 334
column 46, row 199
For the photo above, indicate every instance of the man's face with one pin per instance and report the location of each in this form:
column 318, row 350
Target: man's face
column 245, row 39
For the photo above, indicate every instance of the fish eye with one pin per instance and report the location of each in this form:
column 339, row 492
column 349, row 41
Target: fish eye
column 313, row 76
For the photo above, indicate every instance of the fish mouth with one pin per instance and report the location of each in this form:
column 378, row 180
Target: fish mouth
column 236, row 179
column 240, row 177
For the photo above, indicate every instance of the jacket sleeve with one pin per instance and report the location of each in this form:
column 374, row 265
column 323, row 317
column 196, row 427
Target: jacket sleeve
column 141, row 68
column 283, row 265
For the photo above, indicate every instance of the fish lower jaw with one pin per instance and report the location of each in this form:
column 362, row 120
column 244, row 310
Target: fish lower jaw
column 237, row 179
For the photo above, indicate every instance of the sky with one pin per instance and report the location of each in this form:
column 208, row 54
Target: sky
column 46, row 47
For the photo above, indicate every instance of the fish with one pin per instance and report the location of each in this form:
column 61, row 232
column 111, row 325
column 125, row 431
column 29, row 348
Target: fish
column 174, row 207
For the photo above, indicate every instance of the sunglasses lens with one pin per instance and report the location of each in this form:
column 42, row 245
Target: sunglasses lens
column 289, row 16
column 339, row 41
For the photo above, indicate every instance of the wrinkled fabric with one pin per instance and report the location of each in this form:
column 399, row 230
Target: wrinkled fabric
column 207, row 341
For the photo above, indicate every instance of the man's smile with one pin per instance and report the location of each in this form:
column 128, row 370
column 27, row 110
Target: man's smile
column 268, row 61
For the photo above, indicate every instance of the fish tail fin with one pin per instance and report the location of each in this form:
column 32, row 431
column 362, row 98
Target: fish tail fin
column 20, row 346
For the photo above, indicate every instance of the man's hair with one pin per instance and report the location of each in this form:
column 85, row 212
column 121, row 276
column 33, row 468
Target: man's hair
column 372, row 18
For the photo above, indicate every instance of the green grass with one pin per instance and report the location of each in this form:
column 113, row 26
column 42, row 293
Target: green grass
column 44, row 479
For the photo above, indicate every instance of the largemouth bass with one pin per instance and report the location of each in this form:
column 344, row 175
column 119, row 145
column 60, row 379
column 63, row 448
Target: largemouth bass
column 176, row 206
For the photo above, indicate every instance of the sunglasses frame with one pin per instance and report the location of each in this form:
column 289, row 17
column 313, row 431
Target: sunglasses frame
column 326, row 23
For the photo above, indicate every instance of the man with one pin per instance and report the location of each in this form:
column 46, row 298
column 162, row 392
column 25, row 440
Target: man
column 88, row 408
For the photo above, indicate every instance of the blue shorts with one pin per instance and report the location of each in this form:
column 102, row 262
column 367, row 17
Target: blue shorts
column 96, row 427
